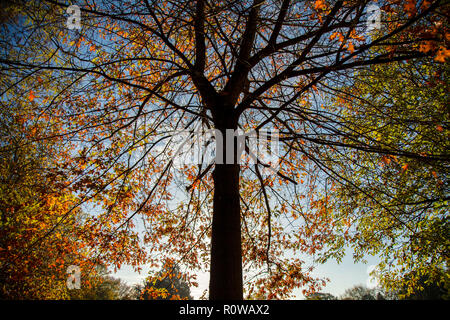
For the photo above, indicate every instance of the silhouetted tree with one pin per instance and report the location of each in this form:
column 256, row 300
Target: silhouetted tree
column 321, row 296
column 360, row 292
column 168, row 284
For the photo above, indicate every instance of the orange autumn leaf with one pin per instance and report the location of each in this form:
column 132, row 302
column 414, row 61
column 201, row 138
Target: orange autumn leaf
column 337, row 34
column 351, row 47
column 410, row 7
column 320, row 5
column 31, row 96
column 442, row 54
column 426, row 46
column 386, row 159
column 426, row 4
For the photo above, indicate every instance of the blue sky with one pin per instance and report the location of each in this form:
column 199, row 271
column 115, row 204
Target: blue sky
column 345, row 274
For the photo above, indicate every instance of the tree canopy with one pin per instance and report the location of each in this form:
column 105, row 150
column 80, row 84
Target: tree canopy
column 167, row 284
column 116, row 93
column 396, row 206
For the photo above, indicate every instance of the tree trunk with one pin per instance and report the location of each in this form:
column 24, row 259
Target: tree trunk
column 226, row 254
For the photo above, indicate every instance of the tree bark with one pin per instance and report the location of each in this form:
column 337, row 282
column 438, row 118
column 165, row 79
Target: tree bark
column 226, row 255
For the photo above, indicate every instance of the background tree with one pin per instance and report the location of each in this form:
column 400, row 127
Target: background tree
column 103, row 287
column 425, row 287
column 9, row 10
column 321, row 296
column 31, row 204
column 139, row 71
column 43, row 227
column 396, row 206
column 360, row 292
column 168, row 284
